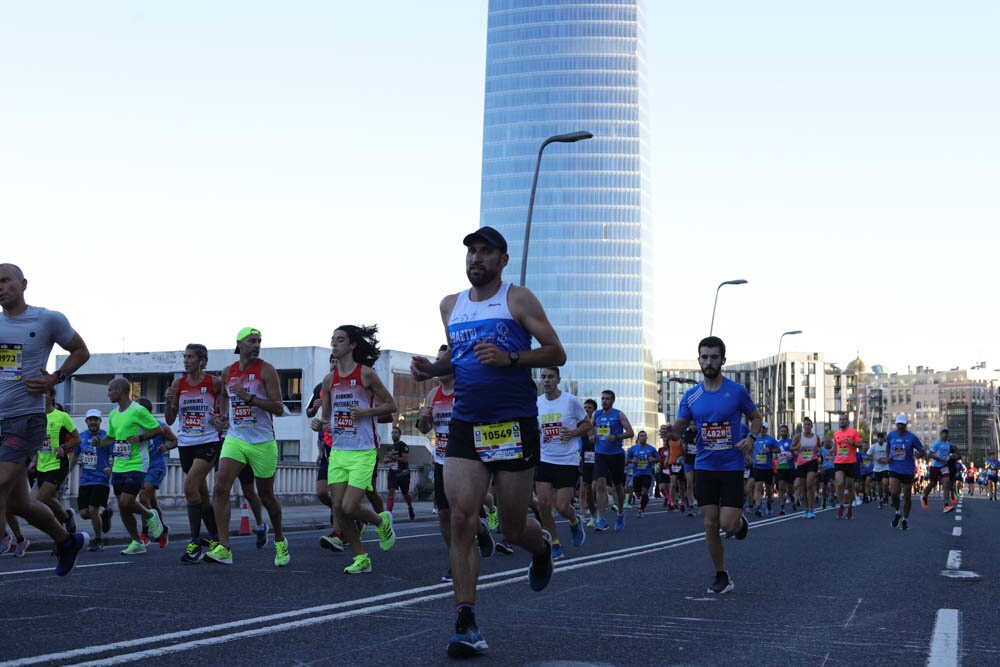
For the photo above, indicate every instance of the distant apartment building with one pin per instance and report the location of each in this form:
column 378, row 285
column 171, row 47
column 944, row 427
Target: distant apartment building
column 300, row 369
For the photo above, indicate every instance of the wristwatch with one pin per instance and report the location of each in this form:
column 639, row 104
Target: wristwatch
column 61, row 376
column 514, row 356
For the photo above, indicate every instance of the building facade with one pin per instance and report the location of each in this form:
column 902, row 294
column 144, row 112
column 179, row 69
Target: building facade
column 554, row 68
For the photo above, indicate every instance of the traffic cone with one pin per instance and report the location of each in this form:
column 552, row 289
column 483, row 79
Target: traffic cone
column 245, row 520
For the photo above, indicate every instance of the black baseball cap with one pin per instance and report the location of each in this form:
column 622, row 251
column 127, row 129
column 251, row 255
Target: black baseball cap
column 488, row 234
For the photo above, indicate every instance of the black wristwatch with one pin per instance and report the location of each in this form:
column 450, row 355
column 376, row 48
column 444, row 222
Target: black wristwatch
column 514, row 356
column 61, row 376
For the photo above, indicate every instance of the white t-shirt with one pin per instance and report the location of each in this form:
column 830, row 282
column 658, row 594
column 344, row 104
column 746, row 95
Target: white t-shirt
column 565, row 411
column 877, row 451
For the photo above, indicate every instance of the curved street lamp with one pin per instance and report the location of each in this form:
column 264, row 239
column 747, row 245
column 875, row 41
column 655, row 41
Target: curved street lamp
column 569, row 138
column 774, row 384
column 740, row 281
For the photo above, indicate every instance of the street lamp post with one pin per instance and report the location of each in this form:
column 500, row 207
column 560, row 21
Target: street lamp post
column 711, row 327
column 681, row 381
column 774, row 384
column 559, row 138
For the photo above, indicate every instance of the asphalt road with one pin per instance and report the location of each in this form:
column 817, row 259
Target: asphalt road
column 808, row 592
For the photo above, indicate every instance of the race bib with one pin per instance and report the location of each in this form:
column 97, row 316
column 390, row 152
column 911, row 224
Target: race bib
column 784, row 455
column 588, row 457
column 193, row 423
column 746, row 473
column 843, row 450
column 761, row 458
column 498, row 442
column 244, row 414
column 440, row 445
column 807, row 454
column 343, row 425
column 717, row 436
column 11, row 361
column 552, row 434
column 899, row 453
column 46, row 447
column 677, row 467
column 121, row 450
column 88, row 460
column 394, row 465
column 643, row 463
column 692, row 448
column 603, row 431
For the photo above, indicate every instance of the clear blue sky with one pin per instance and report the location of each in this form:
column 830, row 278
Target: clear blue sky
column 171, row 173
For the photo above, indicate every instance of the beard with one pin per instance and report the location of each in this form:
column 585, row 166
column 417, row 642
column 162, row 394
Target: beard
column 484, row 278
column 711, row 372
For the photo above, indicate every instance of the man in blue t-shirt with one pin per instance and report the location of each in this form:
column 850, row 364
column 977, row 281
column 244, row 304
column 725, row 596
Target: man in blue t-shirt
column 612, row 428
column 902, row 443
column 718, row 405
column 764, row 450
column 643, row 456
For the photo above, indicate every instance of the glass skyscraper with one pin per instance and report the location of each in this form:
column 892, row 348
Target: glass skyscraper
column 558, row 66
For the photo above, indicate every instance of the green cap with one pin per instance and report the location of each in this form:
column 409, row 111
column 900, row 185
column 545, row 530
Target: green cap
column 244, row 332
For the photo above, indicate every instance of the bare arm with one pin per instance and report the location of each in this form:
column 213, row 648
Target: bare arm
column 172, row 406
column 318, row 423
column 627, row 425
column 78, row 356
column 171, row 439
column 426, row 420
column 384, row 404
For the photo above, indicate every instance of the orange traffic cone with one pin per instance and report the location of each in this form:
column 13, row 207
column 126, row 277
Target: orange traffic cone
column 245, row 520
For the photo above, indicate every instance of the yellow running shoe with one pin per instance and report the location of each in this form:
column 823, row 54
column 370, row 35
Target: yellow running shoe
column 281, row 556
column 362, row 565
column 386, row 536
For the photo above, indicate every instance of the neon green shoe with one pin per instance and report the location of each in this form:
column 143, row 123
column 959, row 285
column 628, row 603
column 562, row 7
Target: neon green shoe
column 362, row 565
column 219, row 554
column 134, row 548
column 155, row 525
column 281, row 556
column 386, row 536
column 493, row 518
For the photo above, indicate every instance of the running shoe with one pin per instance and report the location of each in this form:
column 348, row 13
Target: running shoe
column 70, row 522
column 923, row 502
column 850, row 512
column 493, row 517
column 578, row 533
column 68, row 552
column 164, row 537
column 106, row 520
column 949, row 508
column 434, row 510
column 503, row 546
column 386, row 538
column 690, row 512
column 840, row 512
column 466, row 644
column 592, row 522
column 620, row 522
column 331, row 542
column 281, row 557
column 155, row 525
column 144, row 539
column 721, row 584
column 638, row 514
column 362, row 565
column 805, row 515
column 540, row 570
column 97, row 544
column 446, row 577
column 557, row 551
column 413, row 515
column 484, row 540
column 782, row 513
column 207, row 543
column 602, row 525
column 741, row 532
column 219, row 554
column 134, row 548
column 896, row 519
column 904, row 525
column 8, row 543
column 21, row 548
column 757, row 513
column 192, row 554
column 261, row 532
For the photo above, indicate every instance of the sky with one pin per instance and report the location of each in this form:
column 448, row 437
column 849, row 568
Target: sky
column 172, row 172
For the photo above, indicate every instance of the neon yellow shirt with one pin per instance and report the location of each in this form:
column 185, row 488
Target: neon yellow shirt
column 135, row 420
column 57, row 420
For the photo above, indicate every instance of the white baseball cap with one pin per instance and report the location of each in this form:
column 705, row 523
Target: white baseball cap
column 92, row 413
column 900, row 418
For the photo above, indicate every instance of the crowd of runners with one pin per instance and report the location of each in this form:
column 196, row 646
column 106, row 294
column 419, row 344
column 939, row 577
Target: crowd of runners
column 507, row 460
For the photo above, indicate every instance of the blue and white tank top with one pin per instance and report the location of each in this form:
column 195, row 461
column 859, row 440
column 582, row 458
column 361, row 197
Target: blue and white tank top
column 487, row 394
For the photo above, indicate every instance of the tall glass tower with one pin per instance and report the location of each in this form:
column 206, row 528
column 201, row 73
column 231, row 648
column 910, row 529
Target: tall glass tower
column 558, row 66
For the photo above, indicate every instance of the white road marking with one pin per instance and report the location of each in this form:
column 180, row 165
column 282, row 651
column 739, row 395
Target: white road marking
column 958, row 517
column 954, row 560
column 944, row 640
column 956, row 531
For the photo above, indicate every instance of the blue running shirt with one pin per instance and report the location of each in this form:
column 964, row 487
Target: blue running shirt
column 718, row 415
